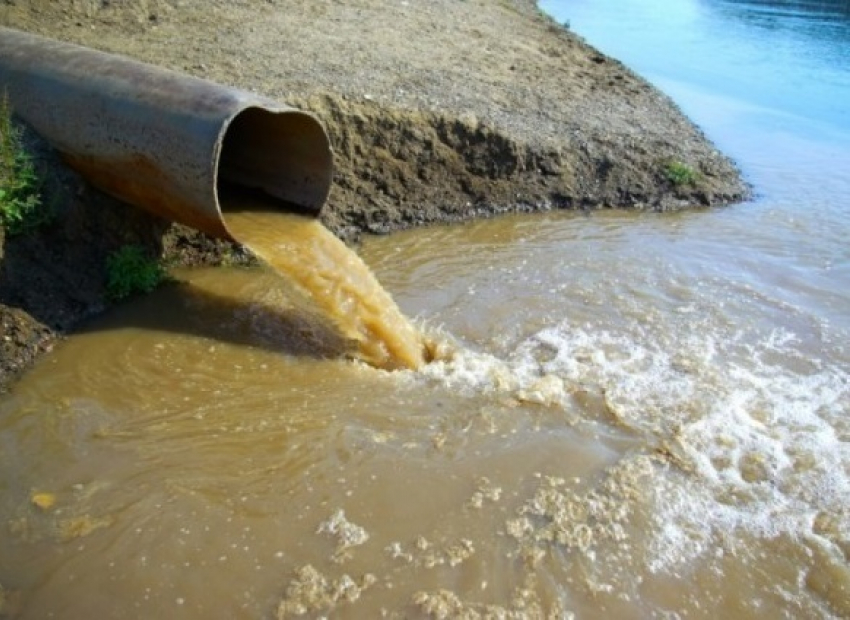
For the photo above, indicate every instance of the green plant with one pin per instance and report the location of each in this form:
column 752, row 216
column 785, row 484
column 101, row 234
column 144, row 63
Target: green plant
column 21, row 209
column 130, row 270
column 680, row 174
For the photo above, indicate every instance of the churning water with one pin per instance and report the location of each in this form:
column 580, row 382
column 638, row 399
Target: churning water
column 631, row 415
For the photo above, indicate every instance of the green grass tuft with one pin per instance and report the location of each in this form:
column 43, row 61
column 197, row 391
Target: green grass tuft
column 130, row 270
column 680, row 174
column 21, row 209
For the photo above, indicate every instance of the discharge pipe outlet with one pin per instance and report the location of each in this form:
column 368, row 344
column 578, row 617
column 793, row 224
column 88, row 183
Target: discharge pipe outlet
column 163, row 141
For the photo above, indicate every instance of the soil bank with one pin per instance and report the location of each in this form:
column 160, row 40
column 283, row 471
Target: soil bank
column 438, row 111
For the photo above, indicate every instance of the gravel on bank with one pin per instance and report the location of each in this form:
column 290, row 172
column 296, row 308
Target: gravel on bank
column 438, row 111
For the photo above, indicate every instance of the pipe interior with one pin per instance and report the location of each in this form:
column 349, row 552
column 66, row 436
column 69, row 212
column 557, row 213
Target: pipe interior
column 285, row 156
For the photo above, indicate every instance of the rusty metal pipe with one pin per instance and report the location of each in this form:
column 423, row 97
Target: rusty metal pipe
column 163, row 141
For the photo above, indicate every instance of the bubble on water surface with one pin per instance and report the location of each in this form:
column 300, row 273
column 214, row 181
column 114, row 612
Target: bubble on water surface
column 346, row 533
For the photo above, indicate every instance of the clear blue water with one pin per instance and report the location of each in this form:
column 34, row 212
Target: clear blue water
column 757, row 76
column 786, row 57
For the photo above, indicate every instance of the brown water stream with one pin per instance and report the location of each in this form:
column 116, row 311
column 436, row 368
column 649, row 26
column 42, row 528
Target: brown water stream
column 334, row 278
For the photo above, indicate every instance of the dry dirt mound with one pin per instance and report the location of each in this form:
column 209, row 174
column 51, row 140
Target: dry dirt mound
column 438, row 111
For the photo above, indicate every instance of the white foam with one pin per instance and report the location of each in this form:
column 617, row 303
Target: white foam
column 756, row 423
column 471, row 372
column 760, row 430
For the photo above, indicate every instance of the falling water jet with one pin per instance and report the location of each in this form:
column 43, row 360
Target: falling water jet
column 333, row 277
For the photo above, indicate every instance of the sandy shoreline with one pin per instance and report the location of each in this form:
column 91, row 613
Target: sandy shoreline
column 440, row 111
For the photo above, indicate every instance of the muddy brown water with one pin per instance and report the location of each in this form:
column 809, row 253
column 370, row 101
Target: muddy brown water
column 586, row 443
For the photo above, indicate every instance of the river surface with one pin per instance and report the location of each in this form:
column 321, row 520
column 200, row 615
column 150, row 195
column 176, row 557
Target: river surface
column 631, row 416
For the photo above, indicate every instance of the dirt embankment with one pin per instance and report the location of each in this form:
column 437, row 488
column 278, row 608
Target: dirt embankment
column 438, row 111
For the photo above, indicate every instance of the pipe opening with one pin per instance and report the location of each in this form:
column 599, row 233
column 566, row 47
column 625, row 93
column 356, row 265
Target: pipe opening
column 285, row 156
